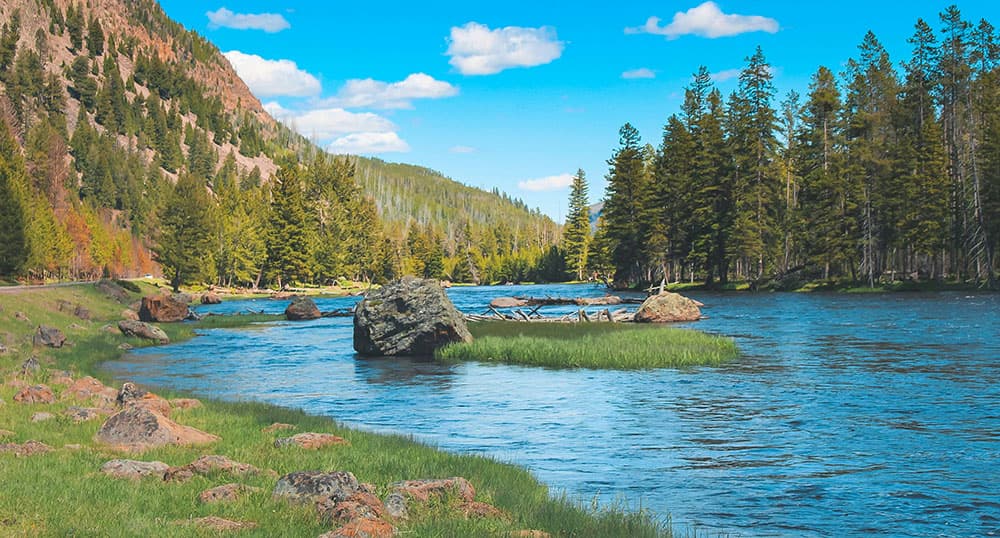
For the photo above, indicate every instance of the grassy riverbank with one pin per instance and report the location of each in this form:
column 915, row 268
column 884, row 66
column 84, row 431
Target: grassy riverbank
column 613, row 346
column 61, row 493
column 834, row 286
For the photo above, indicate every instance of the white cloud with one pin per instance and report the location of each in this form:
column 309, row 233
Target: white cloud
column 271, row 78
column 706, row 20
column 377, row 94
column 462, row 149
column 639, row 73
column 269, row 22
column 327, row 123
column 369, row 143
column 475, row 49
column 727, row 74
column 551, row 183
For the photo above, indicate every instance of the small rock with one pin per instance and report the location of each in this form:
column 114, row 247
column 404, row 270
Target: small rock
column 396, row 506
column 86, row 388
column 134, row 469
column 137, row 428
column 76, row 327
column 130, row 315
column 35, row 394
column 132, row 396
column 363, row 528
column 28, row 448
column 302, row 309
column 3, row 349
column 211, row 298
column 30, row 366
column 479, row 510
column 309, row 486
column 226, row 493
column 84, row 414
column 310, row 440
column 530, row 533
column 423, row 490
column 667, row 307
column 140, row 329
column 207, row 465
column 125, row 346
column 48, row 336
column 278, row 426
column 61, row 378
column 81, row 313
column 185, row 403
column 21, row 316
column 42, row 416
column 218, row 524
column 6, row 433
column 360, row 505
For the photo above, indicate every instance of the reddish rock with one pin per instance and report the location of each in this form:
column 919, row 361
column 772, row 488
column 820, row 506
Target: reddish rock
column 207, row 465
column 130, row 315
column 363, row 528
column 27, row 448
column 667, row 308
column 86, row 388
column 423, row 490
column 138, row 428
column 218, row 524
column 132, row 396
column 478, row 510
column 133, row 469
column 34, row 395
column 226, row 493
column 311, row 441
column 360, row 505
column 84, row 414
column 185, row 403
column 163, row 308
column 62, row 379
column 278, row 426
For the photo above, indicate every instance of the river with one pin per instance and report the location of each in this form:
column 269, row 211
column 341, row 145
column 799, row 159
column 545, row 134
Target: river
column 846, row 415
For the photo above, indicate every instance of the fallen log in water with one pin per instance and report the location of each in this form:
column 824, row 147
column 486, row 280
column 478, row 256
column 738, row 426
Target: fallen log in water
column 339, row 313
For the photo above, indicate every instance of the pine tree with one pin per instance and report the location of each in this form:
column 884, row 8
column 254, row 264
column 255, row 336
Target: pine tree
column 623, row 208
column 576, row 234
column 186, row 231
column 288, row 247
column 13, row 247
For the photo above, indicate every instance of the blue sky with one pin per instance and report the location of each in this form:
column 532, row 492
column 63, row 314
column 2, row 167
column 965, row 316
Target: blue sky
column 518, row 95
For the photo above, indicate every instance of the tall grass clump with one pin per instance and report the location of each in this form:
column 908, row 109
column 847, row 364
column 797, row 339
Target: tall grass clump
column 590, row 345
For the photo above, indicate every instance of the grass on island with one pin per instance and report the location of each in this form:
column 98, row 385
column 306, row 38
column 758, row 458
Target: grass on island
column 62, row 493
column 612, row 346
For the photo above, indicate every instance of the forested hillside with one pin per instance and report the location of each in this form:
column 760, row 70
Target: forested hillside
column 119, row 126
column 887, row 170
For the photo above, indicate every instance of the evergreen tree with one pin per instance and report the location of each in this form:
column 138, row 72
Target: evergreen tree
column 576, row 234
column 186, row 231
column 288, row 247
column 623, row 208
column 13, row 247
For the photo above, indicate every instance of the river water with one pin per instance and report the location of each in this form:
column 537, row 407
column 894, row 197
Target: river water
column 846, row 415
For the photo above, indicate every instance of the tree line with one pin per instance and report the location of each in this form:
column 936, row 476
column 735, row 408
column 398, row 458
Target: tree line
column 877, row 174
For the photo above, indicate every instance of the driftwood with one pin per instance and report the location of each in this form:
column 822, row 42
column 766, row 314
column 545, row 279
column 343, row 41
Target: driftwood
column 339, row 313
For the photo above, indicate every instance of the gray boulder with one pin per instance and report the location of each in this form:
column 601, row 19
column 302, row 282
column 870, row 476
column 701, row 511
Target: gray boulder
column 668, row 307
column 144, row 330
column 48, row 336
column 302, row 309
column 311, row 486
column 409, row 317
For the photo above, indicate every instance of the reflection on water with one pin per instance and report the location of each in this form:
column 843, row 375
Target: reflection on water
column 846, row 415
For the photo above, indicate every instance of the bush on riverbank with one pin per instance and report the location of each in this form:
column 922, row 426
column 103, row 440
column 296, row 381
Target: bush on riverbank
column 61, row 493
column 613, row 346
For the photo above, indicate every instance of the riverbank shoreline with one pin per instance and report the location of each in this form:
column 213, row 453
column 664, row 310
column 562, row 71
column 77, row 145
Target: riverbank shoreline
column 68, row 472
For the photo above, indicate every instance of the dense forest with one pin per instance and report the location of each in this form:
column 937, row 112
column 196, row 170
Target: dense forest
column 128, row 146
column 882, row 172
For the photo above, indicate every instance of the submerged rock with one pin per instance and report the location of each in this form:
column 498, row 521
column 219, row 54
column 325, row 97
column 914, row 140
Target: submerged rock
column 668, row 307
column 407, row 317
column 302, row 309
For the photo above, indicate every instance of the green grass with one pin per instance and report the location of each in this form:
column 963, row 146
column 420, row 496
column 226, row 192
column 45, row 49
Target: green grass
column 63, row 494
column 612, row 346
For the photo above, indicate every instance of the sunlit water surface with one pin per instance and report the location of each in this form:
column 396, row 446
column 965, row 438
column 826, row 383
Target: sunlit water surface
column 847, row 415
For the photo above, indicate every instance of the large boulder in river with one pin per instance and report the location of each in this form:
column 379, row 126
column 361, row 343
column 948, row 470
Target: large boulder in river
column 163, row 308
column 668, row 307
column 302, row 309
column 140, row 329
column 407, row 317
column 211, row 298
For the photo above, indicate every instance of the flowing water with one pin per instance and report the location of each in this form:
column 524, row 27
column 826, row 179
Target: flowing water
column 846, row 415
